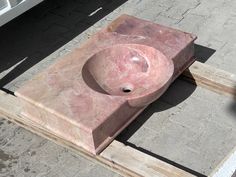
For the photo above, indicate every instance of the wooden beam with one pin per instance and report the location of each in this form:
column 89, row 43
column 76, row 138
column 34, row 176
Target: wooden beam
column 117, row 156
column 211, row 78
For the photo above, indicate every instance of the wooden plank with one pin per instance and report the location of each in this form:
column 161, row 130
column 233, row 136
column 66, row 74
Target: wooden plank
column 140, row 162
column 211, row 78
column 117, row 156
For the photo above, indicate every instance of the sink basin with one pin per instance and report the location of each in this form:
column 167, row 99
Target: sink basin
column 138, row 72
column 90, row 95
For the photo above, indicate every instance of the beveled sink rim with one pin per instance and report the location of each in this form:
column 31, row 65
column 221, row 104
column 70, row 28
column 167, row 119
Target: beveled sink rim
column 128, row 90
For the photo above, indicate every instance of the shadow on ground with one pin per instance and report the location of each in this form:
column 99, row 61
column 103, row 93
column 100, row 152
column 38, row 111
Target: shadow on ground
column 40, row 31
column 202, row 53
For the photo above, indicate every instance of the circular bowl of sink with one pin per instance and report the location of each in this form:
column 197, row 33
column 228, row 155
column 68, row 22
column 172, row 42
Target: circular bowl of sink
column 138, row 72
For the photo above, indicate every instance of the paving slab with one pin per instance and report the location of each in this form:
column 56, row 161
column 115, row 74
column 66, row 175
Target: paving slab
column 197, row 131
column 190, row 126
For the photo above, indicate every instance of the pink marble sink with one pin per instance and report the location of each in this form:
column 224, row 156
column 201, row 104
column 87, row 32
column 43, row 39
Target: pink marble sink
column 94, row 92
column 138, row 73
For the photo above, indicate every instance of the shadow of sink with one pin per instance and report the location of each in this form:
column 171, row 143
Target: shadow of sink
column 139, row 73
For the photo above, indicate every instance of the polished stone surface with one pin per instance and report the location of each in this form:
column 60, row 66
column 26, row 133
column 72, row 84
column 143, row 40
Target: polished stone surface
column 94, row 92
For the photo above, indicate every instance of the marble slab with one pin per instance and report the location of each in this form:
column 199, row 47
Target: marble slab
column 78, row 100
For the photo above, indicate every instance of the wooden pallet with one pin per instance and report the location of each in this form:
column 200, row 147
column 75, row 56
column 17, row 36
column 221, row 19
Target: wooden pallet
column 124, row 159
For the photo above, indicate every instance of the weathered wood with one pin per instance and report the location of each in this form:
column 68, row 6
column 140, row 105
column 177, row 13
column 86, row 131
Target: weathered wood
column 211, row 78
column 139, row 162
column 117, row 156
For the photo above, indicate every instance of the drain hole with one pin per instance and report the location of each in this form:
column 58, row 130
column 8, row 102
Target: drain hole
column 126, row 90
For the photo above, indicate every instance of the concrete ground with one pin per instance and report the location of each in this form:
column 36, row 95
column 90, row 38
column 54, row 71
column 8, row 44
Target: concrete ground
column 190, row 127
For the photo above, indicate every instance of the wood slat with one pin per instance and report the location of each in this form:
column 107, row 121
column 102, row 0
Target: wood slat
column 211, row 78
column 117, row 156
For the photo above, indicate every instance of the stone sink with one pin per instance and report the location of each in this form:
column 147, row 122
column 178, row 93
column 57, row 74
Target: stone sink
column 89, row 96
column 136, row 72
